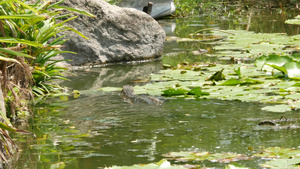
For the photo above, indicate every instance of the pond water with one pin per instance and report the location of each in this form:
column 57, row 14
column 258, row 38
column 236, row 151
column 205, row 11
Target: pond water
column 98, row 129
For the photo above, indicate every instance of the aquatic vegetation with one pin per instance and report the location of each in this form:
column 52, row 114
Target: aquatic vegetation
column 278, row 152
column 31, row 35
column 241, row 44
column 287, row 65
column 185, row 156
column 281, row 158
column 245, row 82
column 186, row 7
column 160, row 164
column 264, row 82
column 166, row 164
column 295, row 21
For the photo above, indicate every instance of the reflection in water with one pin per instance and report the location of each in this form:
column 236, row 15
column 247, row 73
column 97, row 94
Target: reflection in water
column 112, row 76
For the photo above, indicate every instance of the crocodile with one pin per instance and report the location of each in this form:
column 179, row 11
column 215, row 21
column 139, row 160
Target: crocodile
column 128, row 95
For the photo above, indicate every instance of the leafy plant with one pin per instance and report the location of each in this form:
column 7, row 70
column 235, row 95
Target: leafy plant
column 287, row 65
column 31, row 35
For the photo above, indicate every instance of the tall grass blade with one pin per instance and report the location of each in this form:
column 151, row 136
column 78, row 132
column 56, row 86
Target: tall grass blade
column 74, row 10
column 6, row 59
column 26, row 6
column 16, row 53
column 23, row 41
column 7, row 1
column 23, row 16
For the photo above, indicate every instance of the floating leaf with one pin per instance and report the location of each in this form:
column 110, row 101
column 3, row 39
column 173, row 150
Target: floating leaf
column 296, row 85
column 277, row 108
column 292, row 163
column 293, row 70
column 278, row 60
column 238, row 72
column 197, row 92
column 162, row 164
column 234, row 82
column 110, row 89
column 278, row 152
column 295, row 21
column 174, row 92
column 279, row 68
column 201, row 156
column 217, row 76
column 230, row 166
column 167, row 66
column 231, row 82
column 260, row 61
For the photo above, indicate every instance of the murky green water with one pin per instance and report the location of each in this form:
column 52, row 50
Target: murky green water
column 98, row 129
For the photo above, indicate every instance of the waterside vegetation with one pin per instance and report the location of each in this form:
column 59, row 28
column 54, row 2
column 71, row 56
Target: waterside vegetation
column 31, row 35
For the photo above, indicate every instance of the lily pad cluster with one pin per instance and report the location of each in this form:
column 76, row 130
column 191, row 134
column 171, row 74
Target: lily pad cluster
column 185, row 156
column 289, row 66
column 281, row 158
column 242, row 83
column 272, row 79
column 246, row 83
column 164, row 164
column 276, row 158
column 161, row 164
column 244, row 45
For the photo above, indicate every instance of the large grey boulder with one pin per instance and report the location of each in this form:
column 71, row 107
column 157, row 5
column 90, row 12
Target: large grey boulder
column 115, row 35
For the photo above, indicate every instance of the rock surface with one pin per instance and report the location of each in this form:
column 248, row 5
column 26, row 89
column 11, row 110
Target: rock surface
column 116, row 34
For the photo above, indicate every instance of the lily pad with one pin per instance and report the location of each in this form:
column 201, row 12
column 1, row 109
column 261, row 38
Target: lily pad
column 110, row 89
column 277, row 108
column 234, row 82
column 247, row 44
column 293, row 163
column 217, row 76
column 230, row 166
column 174, row 92
column 293, row 70
column 159, row 165
column 278, row 60
column 201, row 156
column 295, row 21
column 277, row 152
column 198, row 92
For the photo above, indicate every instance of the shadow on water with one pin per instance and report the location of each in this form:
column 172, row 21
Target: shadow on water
column 98, row 129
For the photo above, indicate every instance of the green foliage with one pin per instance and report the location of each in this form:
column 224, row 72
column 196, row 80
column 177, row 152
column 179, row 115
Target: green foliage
column 287, row 65
column 235, row 82
column 31, row 35
column 295, row 21
column 35, row 31
column 174, row 92
column 186, row 7
column 285, row 158
column 201, row 156
column 197, row 91
column 218, row 76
